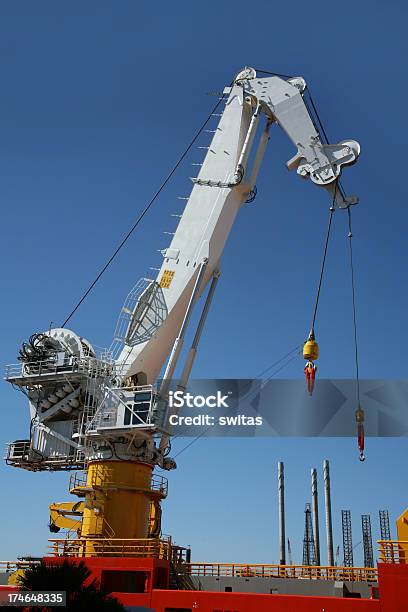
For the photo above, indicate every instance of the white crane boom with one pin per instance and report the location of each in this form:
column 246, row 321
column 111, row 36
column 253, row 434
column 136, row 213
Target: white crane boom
column 221, row 187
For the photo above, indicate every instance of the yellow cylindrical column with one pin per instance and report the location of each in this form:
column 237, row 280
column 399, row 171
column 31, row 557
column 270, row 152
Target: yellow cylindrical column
column 117, row 501
column 155, row 518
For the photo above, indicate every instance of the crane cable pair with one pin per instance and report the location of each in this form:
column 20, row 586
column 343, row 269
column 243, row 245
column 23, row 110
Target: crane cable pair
column 311, row 348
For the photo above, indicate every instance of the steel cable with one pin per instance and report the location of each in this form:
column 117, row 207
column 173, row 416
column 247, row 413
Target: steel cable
column 353, row 292
column 319, row 286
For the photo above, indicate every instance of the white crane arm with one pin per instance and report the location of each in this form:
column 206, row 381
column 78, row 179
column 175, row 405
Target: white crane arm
column 221, row 187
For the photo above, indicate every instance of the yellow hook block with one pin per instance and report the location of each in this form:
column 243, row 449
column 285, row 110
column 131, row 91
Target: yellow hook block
column 311, row 348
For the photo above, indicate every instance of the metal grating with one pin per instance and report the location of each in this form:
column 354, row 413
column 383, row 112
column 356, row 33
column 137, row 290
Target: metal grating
column 309, row 553
column 367, row 540
column 348, row 560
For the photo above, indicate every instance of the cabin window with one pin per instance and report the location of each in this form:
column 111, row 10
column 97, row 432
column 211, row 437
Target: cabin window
column 140, row 407
column 117, row 581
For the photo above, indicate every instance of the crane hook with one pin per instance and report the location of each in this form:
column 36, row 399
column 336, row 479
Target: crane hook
column 360, row 431
column 310, row 374
column 310, row 353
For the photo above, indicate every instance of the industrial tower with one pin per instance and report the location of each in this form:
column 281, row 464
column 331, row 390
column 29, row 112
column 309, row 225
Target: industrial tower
column 347, row 538
column 367, row 540
column 309, row 554
column 385, row 525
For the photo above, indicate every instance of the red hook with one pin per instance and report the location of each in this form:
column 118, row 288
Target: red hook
column 360, row 431
column 360, row 434
column 310, row 374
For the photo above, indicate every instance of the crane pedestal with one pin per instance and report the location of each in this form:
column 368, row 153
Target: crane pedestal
column 122, row 503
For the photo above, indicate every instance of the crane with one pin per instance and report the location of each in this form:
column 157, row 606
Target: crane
column 106, row 414
column 290, row 558
column 336, row 563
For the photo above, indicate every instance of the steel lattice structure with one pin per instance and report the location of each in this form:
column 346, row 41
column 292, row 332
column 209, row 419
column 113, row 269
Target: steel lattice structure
column 385, row 525
column 309, row 554
column 367, row 540
column 348, row 560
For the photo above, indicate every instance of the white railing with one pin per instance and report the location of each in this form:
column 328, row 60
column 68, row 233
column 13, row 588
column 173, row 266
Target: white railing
column 89, row 366
column 21, row 454
column 108, row 415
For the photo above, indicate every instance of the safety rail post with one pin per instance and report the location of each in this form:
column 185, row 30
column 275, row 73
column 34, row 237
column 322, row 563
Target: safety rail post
column 281, row 571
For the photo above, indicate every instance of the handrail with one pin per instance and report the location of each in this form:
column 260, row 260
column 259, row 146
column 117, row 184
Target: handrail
column 347, row 574
column 393, row 551
column 158, row 483
column 79, row 365
column 11, row 566
column 21, row 454
column 112, row 547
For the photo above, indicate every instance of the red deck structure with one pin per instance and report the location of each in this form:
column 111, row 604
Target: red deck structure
column 149, row 580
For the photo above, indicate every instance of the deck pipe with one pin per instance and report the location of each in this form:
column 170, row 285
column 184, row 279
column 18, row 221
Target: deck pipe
column 281, row 498
column 327, row 501
column 315, row 515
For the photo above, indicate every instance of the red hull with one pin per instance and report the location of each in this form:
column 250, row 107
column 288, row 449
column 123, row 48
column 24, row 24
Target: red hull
column 152, row 578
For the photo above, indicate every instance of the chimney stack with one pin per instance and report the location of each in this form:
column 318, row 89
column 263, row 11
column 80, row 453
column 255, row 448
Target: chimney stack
column 315, row 515
column 327, row 501
column 281, row 498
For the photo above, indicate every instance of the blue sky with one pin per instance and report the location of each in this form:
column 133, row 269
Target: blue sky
column 98, row 100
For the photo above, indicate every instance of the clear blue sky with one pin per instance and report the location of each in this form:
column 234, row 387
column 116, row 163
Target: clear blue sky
column 97, row 101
